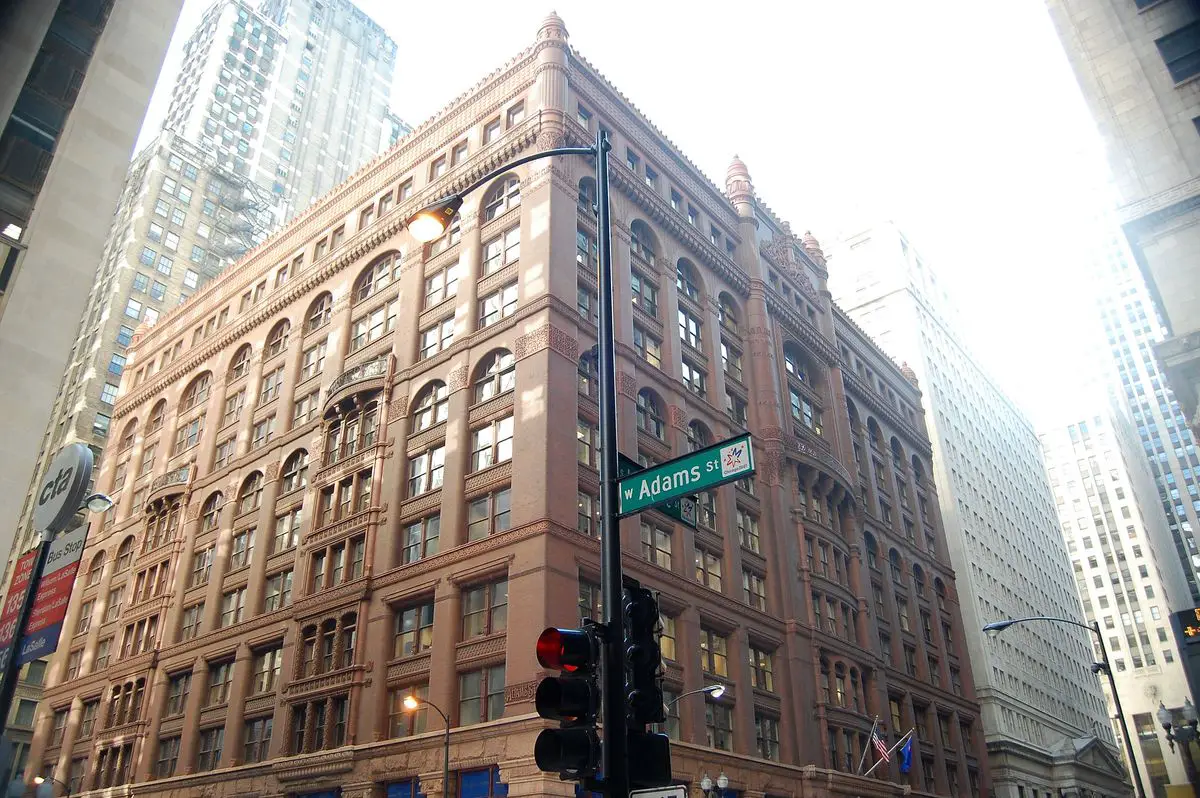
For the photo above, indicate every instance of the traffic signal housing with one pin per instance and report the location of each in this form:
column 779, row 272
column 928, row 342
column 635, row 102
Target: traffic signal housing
column 649, row 753
column 572, row 698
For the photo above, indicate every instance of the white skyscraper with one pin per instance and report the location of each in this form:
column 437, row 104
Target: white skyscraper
column 1125, row 568
column 1043, row 709
column 290, row 93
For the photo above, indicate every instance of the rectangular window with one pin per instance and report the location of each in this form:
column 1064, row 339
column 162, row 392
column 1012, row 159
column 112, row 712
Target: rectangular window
column 645, row 293
column 211, row 743
column 485, row 609
column 708, row 569
column 714, row 652
column 656, row 545
column 754, row 590
column 503, row 250
column 442, row 284
column 220, row 675
column 420, row 539
column 414, row 630
column 233, row 606
column 404, row 722
column 243, row 549
column 278, row 591
column 481, row 695
column 718, row 725
column 690, row 330
column 647, row 346
column 437, row 338
column 492, row 444
column 1180, row 50
column 258, row 739
column 489, row 515
column 425, row 471
column 266, row 667
column 500, row 304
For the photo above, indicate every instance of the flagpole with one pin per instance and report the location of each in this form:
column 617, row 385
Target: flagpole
column 870, row 736
column 891, row 751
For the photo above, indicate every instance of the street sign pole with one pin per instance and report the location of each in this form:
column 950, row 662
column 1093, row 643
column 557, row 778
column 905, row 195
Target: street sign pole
column 60, row 496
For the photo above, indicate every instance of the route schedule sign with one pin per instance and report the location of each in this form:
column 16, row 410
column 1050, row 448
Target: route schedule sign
column 714, row 465
column 10, row 615
column 53, row 593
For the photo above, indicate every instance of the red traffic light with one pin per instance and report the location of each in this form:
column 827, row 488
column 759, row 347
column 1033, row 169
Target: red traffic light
column 569, row 650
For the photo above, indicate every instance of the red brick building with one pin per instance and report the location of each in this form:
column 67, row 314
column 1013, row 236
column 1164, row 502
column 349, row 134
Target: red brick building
column 354, row 468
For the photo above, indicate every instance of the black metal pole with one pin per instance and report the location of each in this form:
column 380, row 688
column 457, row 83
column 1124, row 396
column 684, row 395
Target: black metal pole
column 1112, row 685
column 11, row 670
column 613, row 758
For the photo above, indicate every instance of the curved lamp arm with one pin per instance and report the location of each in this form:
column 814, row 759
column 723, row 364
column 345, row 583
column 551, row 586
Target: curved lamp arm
column 995, row 627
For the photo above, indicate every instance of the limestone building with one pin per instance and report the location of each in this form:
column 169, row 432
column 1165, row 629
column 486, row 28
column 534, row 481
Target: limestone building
column 375, row 477
column 1044, row 712
column 1125, row 569
column 1136, row 63
column 73, row 91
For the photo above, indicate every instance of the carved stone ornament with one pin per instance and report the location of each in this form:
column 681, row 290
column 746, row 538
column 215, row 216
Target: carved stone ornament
column 768, row 465
column 678, row 416
column 520, row 693
column 193, row 511
column 457, row 380
column 627, row 385
column 273, row 471
column 399, row 407
column 550, row 138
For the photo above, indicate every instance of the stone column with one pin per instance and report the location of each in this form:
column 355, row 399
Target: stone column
column 213, row 413
column 183, row 568
column 743, row 711
column 458, row 451
column 253, row 384
column 550, row 83
column 235, row 720
column 470, row 265
column 376, row 629
column 339, row 339
column 156, row 697
column 691, row 709
column 443, row 678
column 63, row 764
column 292, row 358
column 198, row 692
column 212, row 596
column 281, row 725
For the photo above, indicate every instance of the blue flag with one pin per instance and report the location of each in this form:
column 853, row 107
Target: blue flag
column 906, row 755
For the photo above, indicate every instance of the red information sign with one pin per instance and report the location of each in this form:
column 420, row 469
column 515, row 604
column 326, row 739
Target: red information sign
column 11, row 613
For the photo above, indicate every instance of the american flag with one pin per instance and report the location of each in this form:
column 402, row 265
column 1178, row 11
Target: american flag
column 881, row 747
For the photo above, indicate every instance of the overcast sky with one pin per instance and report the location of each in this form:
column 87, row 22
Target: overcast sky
column 958, row 119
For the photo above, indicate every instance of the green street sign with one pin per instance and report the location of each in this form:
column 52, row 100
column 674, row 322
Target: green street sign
column 714, row 465
column 682, row 509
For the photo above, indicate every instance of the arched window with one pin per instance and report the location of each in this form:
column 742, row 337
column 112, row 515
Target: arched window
column 589, row 376
column 319, row 312
column 433, row 406
column 894, row 564
column 352, row 431
column 939, row 589
column 918, row 469
column 641, row 241
column 826, row 697
column 855, row 421
column 897, row 454
column 154, row 424
column 277, row 340
column 196, row 392
column 95, row 570
column 349, row 637
column 124, row 555
column 162, row 522
column 650, row 414
column 872, row 552
column 295, row 471
column 503, row 196
column 686, row 280
column 874, row 433
column 495, row 374
column 698, row 436
column 210, row 513
column 918, row 579
column 795, row 363
column 377, row 276
column 727, row 312
column 128, row 436
column 250, row 496
column 587, row 195
column 240, row 365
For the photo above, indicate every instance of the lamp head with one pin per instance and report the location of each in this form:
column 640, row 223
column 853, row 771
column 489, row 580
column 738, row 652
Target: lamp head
column 98, row 503
column 1189, row 713
column 430, row 222
column 716, row 691
column 706, row 783
column 39, row 780
column 411, row 703
column 722, row 781
column 1164, row 716
column 994, row 628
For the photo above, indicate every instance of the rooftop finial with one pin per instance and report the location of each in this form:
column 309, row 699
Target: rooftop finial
column 737, row 182
column 552, row 27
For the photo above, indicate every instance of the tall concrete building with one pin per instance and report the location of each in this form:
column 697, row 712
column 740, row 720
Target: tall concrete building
column 291, row 93
column 1133, row 329
column 1044, row 712
column 328, row 505
column 1136, row 63
column 256, row 90
column 1125, row 568
column 75, row 80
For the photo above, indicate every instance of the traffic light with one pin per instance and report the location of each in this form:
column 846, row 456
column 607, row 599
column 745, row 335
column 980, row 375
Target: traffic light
column 572, row 698
column 649, row 753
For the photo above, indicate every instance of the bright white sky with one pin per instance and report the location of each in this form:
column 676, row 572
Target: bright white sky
column 958, row 119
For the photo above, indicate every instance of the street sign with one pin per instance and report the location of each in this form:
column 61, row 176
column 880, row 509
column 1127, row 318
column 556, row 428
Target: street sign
column 10, row 615
column 682, row 509
column 53, row 593
column 63, row 488
column 677, row 791
column 714, row 465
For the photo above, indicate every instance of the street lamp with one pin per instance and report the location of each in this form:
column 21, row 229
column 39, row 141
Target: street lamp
column 411, row 704
column 994, row 629
column 1185, row 734
column 97, row 503
column 38, row 781
column 429, row 223
column 713, row 690
column 707, row 784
